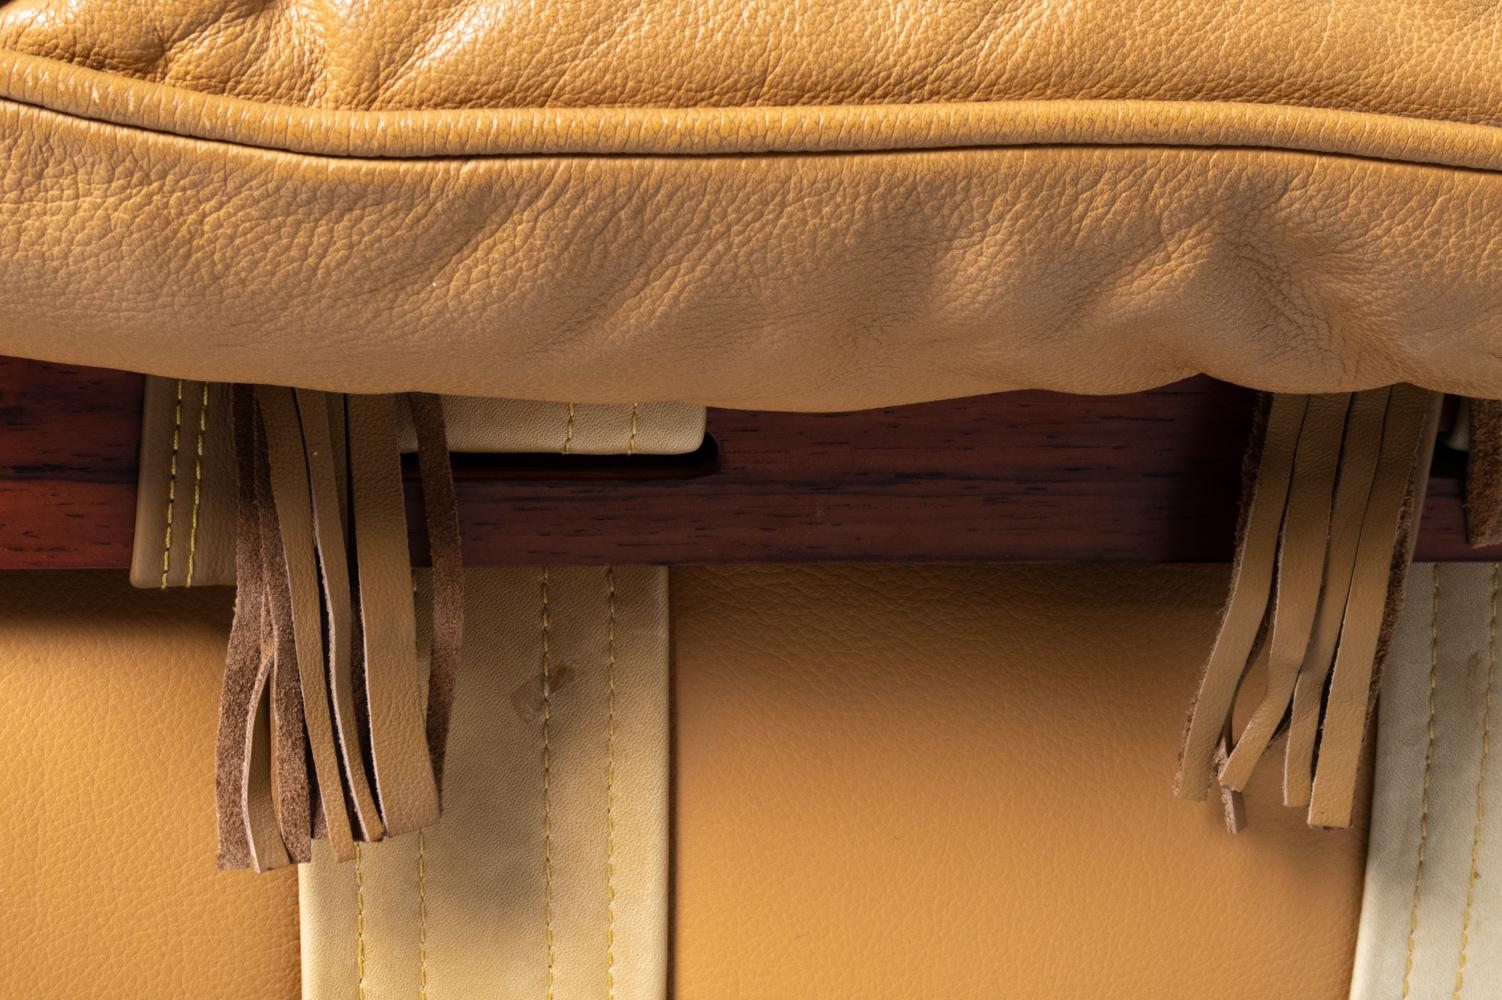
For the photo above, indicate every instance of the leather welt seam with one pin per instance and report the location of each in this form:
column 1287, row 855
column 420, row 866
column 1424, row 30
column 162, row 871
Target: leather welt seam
column 104, row 99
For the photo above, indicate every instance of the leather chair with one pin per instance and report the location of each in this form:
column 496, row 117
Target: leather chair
column 545, row 707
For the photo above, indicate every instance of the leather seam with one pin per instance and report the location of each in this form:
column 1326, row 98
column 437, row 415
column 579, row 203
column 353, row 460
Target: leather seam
column 360, row 921
column 177, row 425
column 631, row 435
column 203, row 425
column 610, row 735
column 422, row 915
column 1418, row 876
column 568, row 431
column 547, row 788
column 1476, row 833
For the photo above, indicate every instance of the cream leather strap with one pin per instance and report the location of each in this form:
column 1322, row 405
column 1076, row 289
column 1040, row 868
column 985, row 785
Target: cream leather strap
column 1431, row 918
column 185, row 496
column 547, row 875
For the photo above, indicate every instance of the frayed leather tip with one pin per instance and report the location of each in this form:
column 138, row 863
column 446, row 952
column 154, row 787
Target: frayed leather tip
column 332, row 723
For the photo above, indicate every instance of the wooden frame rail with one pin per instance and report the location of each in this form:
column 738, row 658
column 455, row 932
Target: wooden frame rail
column 1025, row 476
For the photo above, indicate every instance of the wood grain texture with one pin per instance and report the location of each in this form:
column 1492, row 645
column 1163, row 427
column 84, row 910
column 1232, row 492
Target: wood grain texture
column 1025, row 476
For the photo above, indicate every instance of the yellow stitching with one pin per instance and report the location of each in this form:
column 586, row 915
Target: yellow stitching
column 547, row 788
column 360, row 918
column 1486, row 739
column 177, row 426
column 635, row 417
column 568, row 431
column 203, row 422
column 1418, row 875
column 422, row 915
column 610, row 787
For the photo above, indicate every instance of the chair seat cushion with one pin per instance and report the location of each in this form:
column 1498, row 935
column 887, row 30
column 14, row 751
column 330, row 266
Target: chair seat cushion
column 795, row 204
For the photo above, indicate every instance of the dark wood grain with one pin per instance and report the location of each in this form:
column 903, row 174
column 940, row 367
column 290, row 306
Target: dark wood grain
column 1026, row 476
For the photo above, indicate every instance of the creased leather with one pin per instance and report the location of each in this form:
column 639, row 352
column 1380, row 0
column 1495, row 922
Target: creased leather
column 827, row 282
column 1417, row 60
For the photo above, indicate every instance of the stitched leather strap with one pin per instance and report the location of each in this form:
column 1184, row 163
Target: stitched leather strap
column 1431, row 911
column 548, row 873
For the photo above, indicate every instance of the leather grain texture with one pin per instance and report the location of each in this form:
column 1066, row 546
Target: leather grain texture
column 547, row 875
column 755, row 208
column 1422, row 60
column 954, row 781
column 1431, row 917
column 107, row 867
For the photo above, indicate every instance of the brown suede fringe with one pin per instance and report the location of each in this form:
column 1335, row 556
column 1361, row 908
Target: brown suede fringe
column 332, row 721
column 1483, row 483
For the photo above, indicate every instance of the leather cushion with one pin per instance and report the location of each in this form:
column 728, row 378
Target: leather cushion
column 1422, row 60
column 553, row 202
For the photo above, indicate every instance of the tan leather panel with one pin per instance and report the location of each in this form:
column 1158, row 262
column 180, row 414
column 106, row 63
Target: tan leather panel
column 1434, row 59
column 925, row 781
column 108, row 702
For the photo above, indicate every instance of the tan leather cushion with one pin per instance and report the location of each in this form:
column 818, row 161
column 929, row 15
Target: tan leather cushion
column 908, row 781
column 576, row 203
column 108, row 703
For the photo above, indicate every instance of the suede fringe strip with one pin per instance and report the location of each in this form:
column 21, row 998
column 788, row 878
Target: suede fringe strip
column 333, row 717
column 1333, row 488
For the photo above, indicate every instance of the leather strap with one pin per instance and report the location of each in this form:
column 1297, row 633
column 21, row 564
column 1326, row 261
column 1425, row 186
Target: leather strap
column 399, row 750
column 1431, row 911
column 1324, row 546
column 1382, row 556
column 1300, row 574
column 185, row 487
column 1275, row 444
column 333, row 562
column 290, row 489
column 548, row 873
column 1358, row 467
column 440, row 508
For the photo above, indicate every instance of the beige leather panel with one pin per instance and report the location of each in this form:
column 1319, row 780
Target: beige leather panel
column 1435, row 59
column 185, row 488
column 108, row 704
column 547, row 875
column 1431, row 918
column 895, row 782
column 790, row 282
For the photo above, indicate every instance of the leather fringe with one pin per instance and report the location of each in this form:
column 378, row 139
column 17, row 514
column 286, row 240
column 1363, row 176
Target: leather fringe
column 1483, row 481
column 1325, row 536
column 333, row 721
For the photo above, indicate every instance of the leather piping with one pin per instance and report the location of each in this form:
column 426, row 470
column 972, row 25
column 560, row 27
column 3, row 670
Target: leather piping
column 78, row 92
